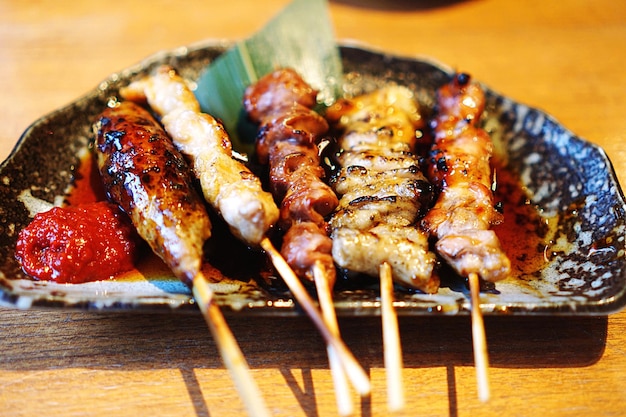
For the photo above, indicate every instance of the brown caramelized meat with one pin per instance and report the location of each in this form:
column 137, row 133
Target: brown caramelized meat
column 289, row 133
column 148, row 178
column 459, row 165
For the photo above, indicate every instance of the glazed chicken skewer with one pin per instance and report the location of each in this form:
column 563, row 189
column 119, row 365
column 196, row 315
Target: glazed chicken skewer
column 230, row 187
column 149, row 179
column 383, row 194
column 281, row 104
column 461, row 219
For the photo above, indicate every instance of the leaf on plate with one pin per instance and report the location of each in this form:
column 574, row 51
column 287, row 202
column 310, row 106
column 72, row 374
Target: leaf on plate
column 301, row 36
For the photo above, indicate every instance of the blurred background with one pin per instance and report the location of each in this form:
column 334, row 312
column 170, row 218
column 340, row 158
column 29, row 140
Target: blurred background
column 539, row 53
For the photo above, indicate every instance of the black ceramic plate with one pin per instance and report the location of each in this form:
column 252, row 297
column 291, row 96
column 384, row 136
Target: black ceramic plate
column 569, row 181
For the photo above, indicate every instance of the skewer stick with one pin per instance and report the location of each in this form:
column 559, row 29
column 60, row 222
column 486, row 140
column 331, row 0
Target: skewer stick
column 229, row 349
column 481, row 356
column 345, row 406
column 391, row 341
column 351, row 367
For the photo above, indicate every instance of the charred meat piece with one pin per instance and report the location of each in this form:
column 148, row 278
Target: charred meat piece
column 459, row 166
column 149, row 179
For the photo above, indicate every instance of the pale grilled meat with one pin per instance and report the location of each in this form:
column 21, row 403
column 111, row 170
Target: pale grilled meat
column 383, row 192
column 227, row 184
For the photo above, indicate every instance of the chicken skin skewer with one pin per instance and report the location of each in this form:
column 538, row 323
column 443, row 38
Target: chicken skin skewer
column 383, row 193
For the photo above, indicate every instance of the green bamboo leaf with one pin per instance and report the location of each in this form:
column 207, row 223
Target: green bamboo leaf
column 301, row 36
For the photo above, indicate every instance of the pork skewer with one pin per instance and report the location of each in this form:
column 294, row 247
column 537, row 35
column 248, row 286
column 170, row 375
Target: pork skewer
column 383, row 194
column 461, row 219
column 281, row 104
column 230, row 187
column 148, row 178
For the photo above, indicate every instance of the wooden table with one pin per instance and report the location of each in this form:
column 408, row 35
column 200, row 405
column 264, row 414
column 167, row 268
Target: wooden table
column 567, row 57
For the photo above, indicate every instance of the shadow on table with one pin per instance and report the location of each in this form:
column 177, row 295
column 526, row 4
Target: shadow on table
column 148, row 340
column 43, row 340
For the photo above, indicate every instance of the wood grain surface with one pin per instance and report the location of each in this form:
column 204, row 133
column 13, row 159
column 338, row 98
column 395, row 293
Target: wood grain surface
column 566, row 57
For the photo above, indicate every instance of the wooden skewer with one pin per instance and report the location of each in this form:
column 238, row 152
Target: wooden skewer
column 351, row 367
column 345, row 405
column 481, row 356
column 391, row 342
column 229, row 349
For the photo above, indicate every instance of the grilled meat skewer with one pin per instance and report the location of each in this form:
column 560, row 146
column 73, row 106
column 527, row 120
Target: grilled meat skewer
column 383, row 193
column 149, row 179
column 382, row 190
column 289, row 134
column 464, row 211
column 459, row 166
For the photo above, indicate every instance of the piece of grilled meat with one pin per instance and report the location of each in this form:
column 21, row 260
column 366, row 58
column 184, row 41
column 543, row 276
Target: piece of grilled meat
column 459, row 166
column 149, row 179
column 290, row 131
column 383, row 190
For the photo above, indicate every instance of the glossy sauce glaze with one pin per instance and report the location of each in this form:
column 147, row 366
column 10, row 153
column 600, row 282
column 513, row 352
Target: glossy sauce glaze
column 525, row 235
column 225, row 251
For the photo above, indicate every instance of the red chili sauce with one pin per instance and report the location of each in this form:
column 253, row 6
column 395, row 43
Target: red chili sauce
column 75, row 244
